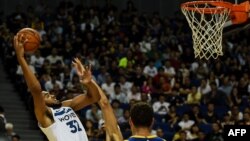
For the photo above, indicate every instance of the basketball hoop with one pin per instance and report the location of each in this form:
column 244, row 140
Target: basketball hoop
column 207, row 19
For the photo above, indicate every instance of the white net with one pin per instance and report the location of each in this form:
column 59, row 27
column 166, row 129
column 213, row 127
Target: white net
column 206, row 22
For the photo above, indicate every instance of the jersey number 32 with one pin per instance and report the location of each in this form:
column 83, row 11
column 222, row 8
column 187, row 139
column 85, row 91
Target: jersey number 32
column 74, row 126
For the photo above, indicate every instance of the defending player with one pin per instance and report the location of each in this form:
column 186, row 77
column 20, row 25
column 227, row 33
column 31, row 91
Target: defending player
column 141, row 121
column 112, row 130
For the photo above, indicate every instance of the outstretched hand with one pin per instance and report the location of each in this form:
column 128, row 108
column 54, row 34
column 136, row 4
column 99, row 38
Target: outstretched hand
column 84, row 72
column 19, row 44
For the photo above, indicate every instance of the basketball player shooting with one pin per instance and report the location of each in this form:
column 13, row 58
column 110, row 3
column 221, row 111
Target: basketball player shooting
column 56, row 119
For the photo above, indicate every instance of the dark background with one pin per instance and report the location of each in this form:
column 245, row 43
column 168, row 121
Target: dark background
column 164, row 7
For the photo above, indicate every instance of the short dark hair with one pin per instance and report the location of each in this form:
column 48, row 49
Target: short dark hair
column 141, row 114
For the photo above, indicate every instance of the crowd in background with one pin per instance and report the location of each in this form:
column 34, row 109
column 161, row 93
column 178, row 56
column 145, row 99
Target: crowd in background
column 134, row 57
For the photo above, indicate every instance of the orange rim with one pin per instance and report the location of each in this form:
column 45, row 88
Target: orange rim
column 219, row 6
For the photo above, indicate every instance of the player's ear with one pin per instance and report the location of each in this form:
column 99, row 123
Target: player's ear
column 131, row 122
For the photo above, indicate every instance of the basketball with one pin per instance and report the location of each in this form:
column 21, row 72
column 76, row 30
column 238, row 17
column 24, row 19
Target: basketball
column 33, row 39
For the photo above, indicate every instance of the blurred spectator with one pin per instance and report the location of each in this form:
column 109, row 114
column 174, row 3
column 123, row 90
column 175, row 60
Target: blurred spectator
column 93, row 61
column 246, row 118
column 19, row 71
column 134, row 94
column 90, row 129
column 194, row 97
column 67, row 53
column 125, row 85
column 160, row 133
column 146, row 98
column 219, row 69
column 201, row 137
column 158, row 60
column 101, row 77
column 65, row 76
column 94, row 114
column 183, row 70
column 226, row 120
column 185, row 123
column 235, row 113
column 124, row 122
column 108, row 86
column 169, row 69
column 57, row 68
column 118, row 111
column 54, row 57
column 235, row 97
column 46, row 67
column 172, row 119
column 161, row 82
column 210, row 115
column 195, row 113
column 123, row 62
column 124, row 118
column 10, row 130
column 147, row 87
column 150, row 70
column 119, row 95
column 37, row 61
column 49, row 85
column 138, row 78
column 204, row 87
column 161, row 107
column 72, row 85
column 226, row 87
column 94, row 17
column 181, row 136
column 193, row 134
column 244, row 87
column 145, row 45
column 101, row 133
column 44, row 78
column 217, row 134
column 213, row 79
column 185, row 86
column 200, row 69
column 216, row 96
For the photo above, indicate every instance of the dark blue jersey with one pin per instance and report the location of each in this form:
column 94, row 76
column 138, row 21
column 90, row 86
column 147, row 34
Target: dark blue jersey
column 145, row 138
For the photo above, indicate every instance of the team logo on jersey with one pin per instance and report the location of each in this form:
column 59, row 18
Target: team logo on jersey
column 62, row 111
column 65, row 114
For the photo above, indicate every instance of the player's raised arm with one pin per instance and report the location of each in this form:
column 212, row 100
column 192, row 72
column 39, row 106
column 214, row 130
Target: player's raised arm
column 92, row 96
column 112, row 130
column 111, row 124
column 31, row 81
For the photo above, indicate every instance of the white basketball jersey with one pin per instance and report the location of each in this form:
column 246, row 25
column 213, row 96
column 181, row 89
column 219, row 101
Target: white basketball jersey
column 67, row 126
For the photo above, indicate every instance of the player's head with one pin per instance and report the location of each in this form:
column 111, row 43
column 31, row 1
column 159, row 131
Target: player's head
column 50, row 100
column 141, row 116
